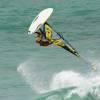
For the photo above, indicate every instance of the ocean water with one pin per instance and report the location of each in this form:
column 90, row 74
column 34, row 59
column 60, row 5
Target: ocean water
column 31, row 72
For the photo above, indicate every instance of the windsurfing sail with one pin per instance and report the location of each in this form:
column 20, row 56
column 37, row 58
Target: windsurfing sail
column 68, row 46
column 62, row 42
column 48, row 31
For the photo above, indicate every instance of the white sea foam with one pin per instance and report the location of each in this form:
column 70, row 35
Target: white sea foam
column 30, row 76
column 85, row 83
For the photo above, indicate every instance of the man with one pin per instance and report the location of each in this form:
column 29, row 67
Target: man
column 45, row 38
column 40, row 39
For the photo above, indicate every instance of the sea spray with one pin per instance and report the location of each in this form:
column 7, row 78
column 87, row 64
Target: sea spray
column 70, row 78
column 86, row 84
column 30, row 76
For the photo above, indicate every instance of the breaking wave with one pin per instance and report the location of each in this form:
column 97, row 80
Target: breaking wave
column 87, row 86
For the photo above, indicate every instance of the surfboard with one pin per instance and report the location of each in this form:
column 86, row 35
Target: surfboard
column 39, row 20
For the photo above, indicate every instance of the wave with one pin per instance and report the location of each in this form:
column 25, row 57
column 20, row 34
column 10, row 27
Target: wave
column 87, row 86
column 84, row 84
